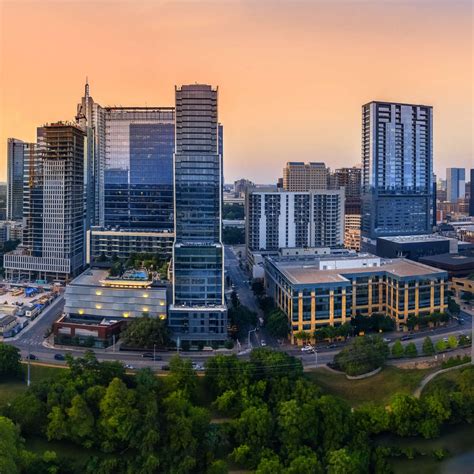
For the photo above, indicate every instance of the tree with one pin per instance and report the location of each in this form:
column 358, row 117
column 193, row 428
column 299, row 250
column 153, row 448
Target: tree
column 452, row 342
column 277, row 324
column 453, row 307
column 80, row 422
column 411, row 350
column 182, row 376
column 9, row 361
column 397, row 349
column 270, row 465
column 341, row 462
column 146, row 332
column 363, row 355
column 428, row 347
column 406, row 412
column 118, row 416
column 10, row 447
column 57, row 424
column 303, row 336
column 233, row 235
column 306, row 463
column 440, row 346
column 29, row 412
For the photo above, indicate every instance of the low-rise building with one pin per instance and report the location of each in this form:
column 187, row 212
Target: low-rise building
column 320, row 291
column 461, row 286
column 8, row 324
column 415, row 246
column 457, row 264
column 96, row 293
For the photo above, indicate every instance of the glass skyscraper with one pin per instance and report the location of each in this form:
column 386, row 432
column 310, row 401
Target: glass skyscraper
column 129, row 165
column 397, row 171
column 455, row 184
column 198, row 312
column 15, row 161
column 138, row 175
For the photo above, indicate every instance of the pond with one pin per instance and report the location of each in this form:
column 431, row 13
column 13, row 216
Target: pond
column 458, row 440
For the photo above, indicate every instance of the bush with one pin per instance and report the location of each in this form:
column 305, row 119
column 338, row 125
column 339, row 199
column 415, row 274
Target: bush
column 411, row 350
column 428, row 347
column 440, row 346
column 455, row 361
column 229, row 344
column 397, row 349
column 363, row 355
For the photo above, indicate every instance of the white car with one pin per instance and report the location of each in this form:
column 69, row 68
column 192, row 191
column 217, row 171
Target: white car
column 129, row 367
column 197, row 366
column 263, row 343
column 307, row 349
column 386, row 339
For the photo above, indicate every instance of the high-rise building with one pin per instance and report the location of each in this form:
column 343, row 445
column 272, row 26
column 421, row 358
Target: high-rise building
column 302, row 177
column 129, row 165
column 15, row 160
column 397, row 171
column 455, row 183
column 53, row 246
column 471, row 195
column 350, row 180
column 198, row 311
column 276, row 220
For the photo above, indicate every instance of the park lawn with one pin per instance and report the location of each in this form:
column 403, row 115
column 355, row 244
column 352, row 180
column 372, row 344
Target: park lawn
column 445, row 382
column 11, row 388
column 378, row 388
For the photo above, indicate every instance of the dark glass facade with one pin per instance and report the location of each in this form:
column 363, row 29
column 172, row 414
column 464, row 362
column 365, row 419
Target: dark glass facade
column 198, row 311
column 138, row 177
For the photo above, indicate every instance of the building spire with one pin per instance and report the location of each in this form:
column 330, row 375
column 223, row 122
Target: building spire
column 87, row 87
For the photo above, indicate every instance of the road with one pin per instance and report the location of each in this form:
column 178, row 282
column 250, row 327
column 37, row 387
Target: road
column 32, row 337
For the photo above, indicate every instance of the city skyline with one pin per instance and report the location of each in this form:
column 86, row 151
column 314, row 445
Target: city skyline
column 317, row 118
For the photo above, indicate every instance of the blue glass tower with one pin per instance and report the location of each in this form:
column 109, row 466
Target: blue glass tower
column 198, row 312
column 397, row 171
column 138, row 176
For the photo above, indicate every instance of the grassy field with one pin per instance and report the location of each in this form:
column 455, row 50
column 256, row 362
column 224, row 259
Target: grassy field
column 445, row 382
column 378, row 388
column 11, row 388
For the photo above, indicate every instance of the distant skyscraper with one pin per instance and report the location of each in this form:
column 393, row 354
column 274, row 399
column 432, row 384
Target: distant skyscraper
column 15, row 160
column 198, row 311
column 471, row 195
column 397, row 170
column 302, row 177
column 350, row 180
column 455, row 183
column 53, row 246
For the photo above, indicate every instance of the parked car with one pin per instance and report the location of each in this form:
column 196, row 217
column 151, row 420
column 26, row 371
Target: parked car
column 386, row 339
column 197, row 366
column 406, row 338
column 31, row 357
column 59, row 357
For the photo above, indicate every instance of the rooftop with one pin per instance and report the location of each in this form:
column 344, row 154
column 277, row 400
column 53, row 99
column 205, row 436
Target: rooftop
column 100, row 277
column 401, row 239
column 300, row 274
column 456, row 259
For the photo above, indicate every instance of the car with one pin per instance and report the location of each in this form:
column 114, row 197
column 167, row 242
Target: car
column 197, row 366
column 445, row 339
column 332, row 346
column 406, row 338
column 149, row 355
column 129, row 366
column 307, row 348
column 31, row 357
column 386, row 339
column 59, row 357
column 263, row 343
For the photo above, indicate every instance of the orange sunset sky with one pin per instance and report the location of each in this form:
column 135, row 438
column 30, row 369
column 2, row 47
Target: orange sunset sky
column 292, row 75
